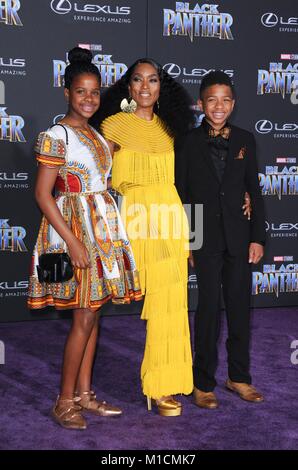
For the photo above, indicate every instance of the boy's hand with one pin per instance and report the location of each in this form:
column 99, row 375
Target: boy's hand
column 255, row 253
column 190, row 259
column 247, row 209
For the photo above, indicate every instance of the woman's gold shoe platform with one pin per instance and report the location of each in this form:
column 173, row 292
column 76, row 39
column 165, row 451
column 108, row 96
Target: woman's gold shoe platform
column 166, row 406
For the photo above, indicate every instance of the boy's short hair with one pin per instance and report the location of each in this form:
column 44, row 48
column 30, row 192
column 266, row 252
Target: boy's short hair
column 216, row 78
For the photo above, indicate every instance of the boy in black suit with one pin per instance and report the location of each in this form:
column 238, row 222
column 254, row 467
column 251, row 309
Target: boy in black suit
column 215, row 166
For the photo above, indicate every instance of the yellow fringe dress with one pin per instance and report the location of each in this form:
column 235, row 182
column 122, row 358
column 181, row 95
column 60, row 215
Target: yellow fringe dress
column 143, row 173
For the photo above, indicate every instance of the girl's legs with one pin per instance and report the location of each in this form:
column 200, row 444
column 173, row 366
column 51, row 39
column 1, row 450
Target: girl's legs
column 78, row 360
column 76, row 352
column 83, row 384
column 85, row 372
column 79, row 352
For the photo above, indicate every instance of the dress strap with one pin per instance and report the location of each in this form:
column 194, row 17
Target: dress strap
column 63, row 171
column 61, row 125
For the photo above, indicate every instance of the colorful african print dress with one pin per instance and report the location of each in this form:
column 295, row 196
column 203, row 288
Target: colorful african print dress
column 90, row 211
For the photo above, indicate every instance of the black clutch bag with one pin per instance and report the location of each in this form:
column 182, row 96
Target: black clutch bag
column 54, row 267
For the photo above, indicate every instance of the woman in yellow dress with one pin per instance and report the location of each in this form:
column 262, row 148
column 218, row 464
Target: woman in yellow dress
column 155, row 109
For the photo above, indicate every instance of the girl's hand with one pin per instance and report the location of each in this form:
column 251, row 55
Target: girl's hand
column 247, row 209
column 78, row 254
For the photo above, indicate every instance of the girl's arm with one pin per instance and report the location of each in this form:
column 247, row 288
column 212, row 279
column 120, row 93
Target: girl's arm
column 112, row 146
column 46, row 178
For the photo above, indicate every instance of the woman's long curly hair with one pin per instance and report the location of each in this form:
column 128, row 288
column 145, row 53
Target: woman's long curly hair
column 174, row 108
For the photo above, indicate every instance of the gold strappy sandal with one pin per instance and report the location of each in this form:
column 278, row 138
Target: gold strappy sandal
column 89, row 403
column 67, row 412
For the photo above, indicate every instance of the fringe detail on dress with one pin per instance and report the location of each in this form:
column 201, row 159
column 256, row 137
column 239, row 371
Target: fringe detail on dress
column 167, row 363
column 143, row 172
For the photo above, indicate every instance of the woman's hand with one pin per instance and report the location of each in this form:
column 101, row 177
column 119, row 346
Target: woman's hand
column 78, row 254
column 247, row 209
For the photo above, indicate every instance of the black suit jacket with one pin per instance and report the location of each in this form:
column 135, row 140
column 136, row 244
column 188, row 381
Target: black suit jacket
column 197, row 183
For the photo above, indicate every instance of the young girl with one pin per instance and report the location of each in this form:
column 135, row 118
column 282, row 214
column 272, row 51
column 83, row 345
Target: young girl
column 83, row 220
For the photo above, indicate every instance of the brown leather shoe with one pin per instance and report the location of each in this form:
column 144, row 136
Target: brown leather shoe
column 245, row 391
column 89, row 403
column 205, row 399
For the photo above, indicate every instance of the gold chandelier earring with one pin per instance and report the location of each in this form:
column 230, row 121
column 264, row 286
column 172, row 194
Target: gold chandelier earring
column 128, row 106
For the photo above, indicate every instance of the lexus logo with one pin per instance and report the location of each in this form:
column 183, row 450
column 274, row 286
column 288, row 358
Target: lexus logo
column 264, row 126
column 173, row 70
column 282, row 227
column 269, row 20
column 61, row 6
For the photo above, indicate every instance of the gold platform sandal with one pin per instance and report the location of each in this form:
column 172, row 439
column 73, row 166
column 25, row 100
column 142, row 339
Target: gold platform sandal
column 167, row 406
column 67, row 413
column 89, row 403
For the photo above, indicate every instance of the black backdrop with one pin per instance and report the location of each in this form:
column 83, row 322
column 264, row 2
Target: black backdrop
column 254, row 42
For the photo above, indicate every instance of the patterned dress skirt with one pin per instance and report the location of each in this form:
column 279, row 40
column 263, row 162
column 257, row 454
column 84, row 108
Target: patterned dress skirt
column 94, row 219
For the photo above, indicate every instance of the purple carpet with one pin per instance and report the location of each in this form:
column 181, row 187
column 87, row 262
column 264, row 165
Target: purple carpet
column 30, row 377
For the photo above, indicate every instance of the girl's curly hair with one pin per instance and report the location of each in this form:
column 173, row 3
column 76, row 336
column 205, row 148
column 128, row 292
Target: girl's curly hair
column 174, row 107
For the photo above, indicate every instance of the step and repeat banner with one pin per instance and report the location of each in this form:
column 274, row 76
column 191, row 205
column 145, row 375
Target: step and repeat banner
column 254, row 43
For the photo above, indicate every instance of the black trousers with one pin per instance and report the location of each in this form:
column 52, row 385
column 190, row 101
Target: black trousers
column 233, row 274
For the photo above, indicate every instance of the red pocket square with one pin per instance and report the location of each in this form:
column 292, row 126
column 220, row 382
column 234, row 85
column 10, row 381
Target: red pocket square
column 241, row 154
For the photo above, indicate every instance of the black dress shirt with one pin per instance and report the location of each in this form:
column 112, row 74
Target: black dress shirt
column 218, row 147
